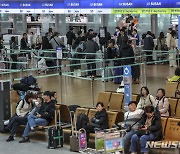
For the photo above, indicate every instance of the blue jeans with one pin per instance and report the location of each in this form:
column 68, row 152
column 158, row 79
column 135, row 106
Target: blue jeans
column 143, row 139
column 33, row 121
column 127, row 139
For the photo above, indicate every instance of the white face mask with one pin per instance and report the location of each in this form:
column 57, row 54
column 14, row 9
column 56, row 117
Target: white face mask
column 117, row 30
column 36, row 103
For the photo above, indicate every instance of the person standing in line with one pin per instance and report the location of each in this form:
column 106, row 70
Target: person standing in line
column 13, row 47
column 90, row 47
column 171, row 44
column 149, row 46
column 70, row 37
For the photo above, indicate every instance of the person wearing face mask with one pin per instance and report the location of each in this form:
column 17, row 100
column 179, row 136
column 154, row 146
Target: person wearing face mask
column 110, row 54
column 145, row 99
column 20, row 118
column 162, row 103
column 150, row 129
column 117, row 31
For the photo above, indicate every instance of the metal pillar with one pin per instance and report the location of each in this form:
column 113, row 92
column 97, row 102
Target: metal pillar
column 24, row 23
column 104, row 20
column 14, row 24
column 154, row 24
column 57, row 22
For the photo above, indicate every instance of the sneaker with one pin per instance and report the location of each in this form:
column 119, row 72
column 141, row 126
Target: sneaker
column 24, row 140
column 32, row 129
column 11, row 138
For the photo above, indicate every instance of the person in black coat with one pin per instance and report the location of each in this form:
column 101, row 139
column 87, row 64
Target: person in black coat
column 126, row 51
column 42, row 118
column 122, row 36
column 70, row 36
column 149, row 46
column 150, row 129
column 100, row 120
column 24, row 42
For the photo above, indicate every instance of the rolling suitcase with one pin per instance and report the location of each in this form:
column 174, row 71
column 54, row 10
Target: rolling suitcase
column 74, row 140
column 118, row 72
column 135, row 72
column 55, row 135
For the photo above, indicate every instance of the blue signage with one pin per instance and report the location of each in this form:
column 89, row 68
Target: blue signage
column 179, row 32
column 82, row 4
column 127, row 71
column 127, row 84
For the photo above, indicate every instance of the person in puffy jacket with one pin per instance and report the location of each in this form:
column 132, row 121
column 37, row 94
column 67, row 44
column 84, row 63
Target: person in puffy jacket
column 150, row 129
column 100, row 120
column 162, row 103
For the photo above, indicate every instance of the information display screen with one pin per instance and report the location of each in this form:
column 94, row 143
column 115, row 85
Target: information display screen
column 107, row 6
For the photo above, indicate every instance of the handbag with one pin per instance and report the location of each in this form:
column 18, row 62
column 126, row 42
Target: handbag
column 142, row 132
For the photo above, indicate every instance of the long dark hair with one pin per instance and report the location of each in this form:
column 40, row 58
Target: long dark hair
column 147, row 90
column 161, row 35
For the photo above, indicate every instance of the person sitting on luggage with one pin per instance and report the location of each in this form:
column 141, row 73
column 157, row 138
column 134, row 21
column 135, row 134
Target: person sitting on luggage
column 176, row 77
column 43, row 118
column 54, row 96
column 162, row 103
column 145, row 99
column 131, row 122
column 150, row 129
column 20, row 118
column 100, row 120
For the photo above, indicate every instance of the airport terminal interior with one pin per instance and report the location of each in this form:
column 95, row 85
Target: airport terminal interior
column 89, row 77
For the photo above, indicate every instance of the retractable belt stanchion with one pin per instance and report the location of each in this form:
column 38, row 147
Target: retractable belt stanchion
column 143, row 70
column 92, row 90
column 104, row 67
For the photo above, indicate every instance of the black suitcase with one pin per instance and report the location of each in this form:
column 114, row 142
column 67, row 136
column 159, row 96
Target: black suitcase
column 55, row 134
column 55, row 137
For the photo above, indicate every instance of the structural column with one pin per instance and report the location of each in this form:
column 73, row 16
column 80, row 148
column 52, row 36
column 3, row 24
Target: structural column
column 24, row 23
column 14, row 24
column 154, row 24
column 104, row 20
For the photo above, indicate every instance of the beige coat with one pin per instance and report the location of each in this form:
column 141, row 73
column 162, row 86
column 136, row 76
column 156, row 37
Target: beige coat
column 143, row 102
column 171, row 41
column 163, row 106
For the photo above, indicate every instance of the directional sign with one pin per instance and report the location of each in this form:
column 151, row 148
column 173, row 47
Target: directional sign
column 127, row 85
column 127, row 70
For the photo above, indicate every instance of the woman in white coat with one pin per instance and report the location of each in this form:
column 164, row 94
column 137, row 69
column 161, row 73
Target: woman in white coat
column 162, row 103
column 171, row 43
column 146, row 99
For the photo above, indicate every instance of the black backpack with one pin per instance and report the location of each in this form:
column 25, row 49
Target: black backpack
column 82, row 121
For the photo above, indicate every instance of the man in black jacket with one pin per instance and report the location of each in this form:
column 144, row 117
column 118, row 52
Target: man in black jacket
column 43, row 118
column 70, row 36
column 150, row 129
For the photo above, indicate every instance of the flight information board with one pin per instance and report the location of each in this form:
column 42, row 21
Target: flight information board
column 90, row 6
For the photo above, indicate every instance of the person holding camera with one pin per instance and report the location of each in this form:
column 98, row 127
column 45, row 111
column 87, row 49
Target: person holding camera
column 150, row 129
column 132, row 118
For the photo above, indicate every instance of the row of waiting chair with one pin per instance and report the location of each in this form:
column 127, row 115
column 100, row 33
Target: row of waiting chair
column 114, row 101
column 171, row 129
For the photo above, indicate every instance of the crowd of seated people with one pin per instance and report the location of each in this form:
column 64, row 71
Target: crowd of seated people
column 142, row 120
column 32, row 111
